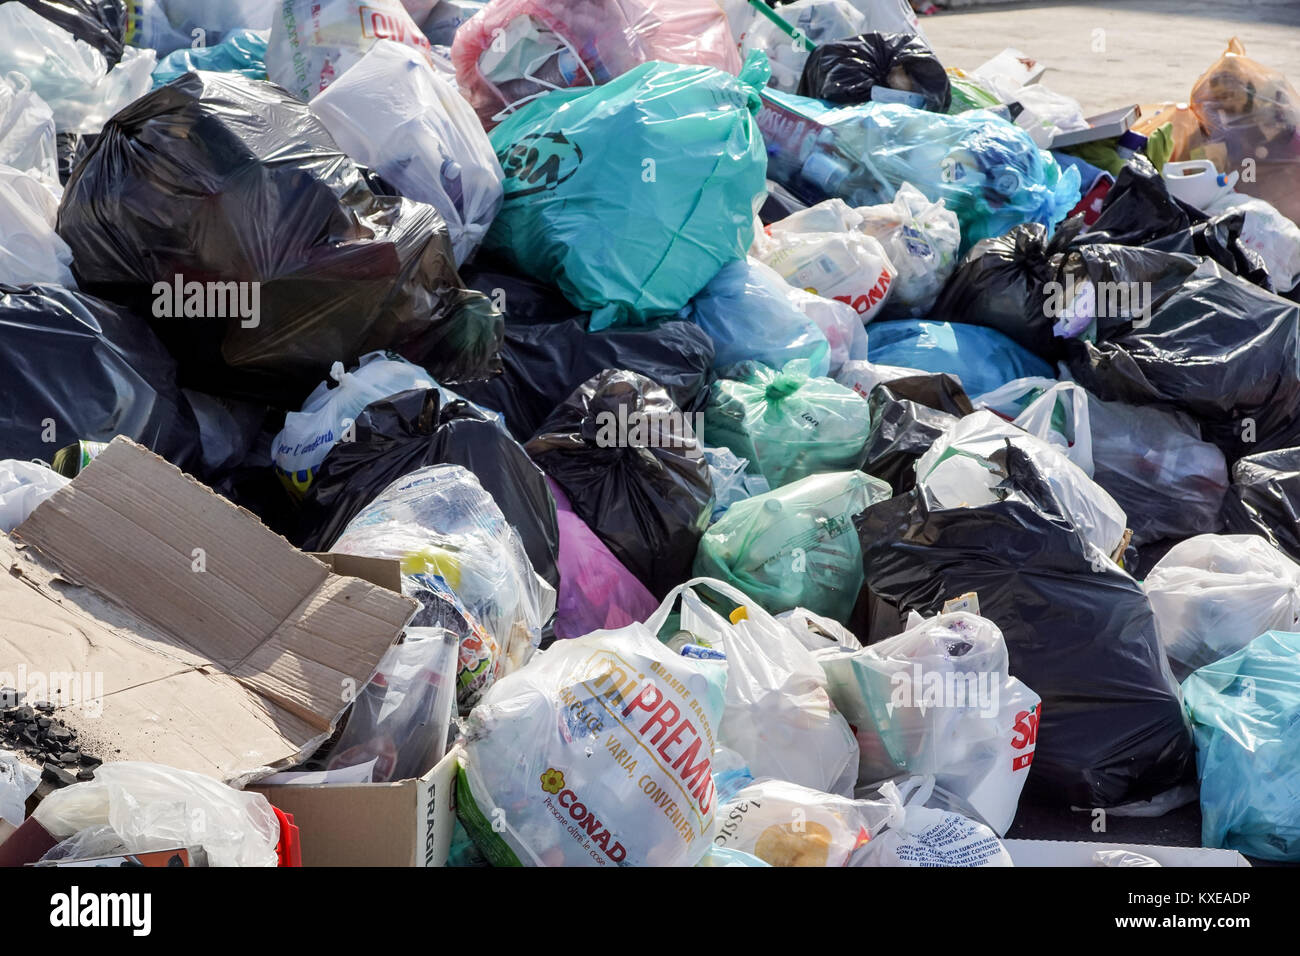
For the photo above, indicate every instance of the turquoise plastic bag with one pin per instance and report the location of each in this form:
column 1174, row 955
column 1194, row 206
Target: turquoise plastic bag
column 632, row 195
column 795, row 546
column 746, row 312
column 242, row 51
column 788, row 424
column 1245, row 712
column 985, row 169
column 983, row 358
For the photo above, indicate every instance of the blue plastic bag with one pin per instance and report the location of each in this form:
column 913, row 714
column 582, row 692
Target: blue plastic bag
column 986, row 170
column 983, row 358
column 1245, row 712
column 242, row 51
column 747, row 313
column 632, row 195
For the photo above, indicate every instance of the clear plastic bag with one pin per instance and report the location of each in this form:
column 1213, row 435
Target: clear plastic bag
column 778, row 716
column 787, row 423
column 921, row 239
column 795, row 546
column 513, row 51
column 817, row 21
column 731, row 480
column 23, row 486
column 959, row 472
column 30, row 249
column 986, row 170
column 18, row 781
column 785, row 824
column 1268, row 232
column 439, row 522
column 69, row 74
column 401, row 719
column 314, row 42
column 978, row 743
column 152, row 807
column 1151, row 460
column 27, row 134
column 396, row 114
column 1214, row 594
column 597, row 753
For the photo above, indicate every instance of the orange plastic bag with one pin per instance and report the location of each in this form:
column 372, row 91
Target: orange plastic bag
column 1245, row 117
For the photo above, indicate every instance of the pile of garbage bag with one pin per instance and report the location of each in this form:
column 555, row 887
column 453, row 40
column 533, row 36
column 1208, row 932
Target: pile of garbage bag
column 690, row 433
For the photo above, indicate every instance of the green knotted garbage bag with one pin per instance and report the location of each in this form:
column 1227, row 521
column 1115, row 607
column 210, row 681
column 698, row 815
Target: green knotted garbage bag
column 788, row 424
column 795, row 546
column 632, row 195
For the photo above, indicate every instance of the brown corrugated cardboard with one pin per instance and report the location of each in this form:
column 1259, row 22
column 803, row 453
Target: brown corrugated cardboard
column 403, row 823
column 221, row 648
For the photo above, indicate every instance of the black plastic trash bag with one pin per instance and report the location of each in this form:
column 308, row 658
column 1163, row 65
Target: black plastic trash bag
column 548, row 353
column 75, row 368
column 1079, row 631
column 101, row 23
column 1264, row 498
column 1219, row 348
column 846, row 71
column 70, row 149
column 1139, row 210
column 1001, row 283
column 634, row 471
column 907, row 415
column 413, row 429
column 216, row 184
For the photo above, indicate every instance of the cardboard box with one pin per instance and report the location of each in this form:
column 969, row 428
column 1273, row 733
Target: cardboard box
column 402, row 823
column 209, row 642
column 1071, row 853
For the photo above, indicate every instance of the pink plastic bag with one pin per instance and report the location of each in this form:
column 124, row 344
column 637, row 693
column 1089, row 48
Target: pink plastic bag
column 514, row 50
column 596, row 591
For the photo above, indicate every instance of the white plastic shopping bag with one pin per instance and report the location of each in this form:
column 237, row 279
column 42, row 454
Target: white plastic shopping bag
column 938, row 699
column 396, row 114
column 918, row 835
column 779, row 717
column 598, row 753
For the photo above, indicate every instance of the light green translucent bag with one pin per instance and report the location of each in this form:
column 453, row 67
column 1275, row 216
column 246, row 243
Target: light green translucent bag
column 632, row 195
column 795, row 546
column 787, row 424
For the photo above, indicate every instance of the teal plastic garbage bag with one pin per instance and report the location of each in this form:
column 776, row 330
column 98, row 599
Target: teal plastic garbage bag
column 746, row 310
column 983, row 358
column 632, row 195
column 986, row 170
column 242, row 51
column 788, row 424
column 1245, row 712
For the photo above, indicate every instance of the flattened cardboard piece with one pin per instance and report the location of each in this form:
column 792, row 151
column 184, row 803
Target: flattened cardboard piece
column 219, row 647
